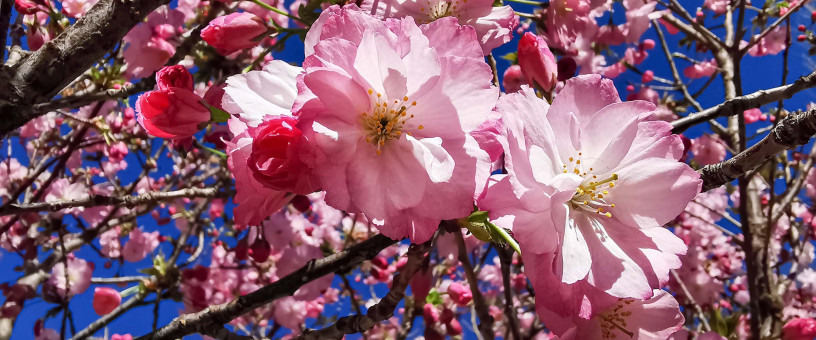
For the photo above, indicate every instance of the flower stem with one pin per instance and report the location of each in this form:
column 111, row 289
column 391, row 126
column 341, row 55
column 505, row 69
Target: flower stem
column 276, row 10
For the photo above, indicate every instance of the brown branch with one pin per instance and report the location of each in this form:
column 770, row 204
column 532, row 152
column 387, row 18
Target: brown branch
column 221, row 314
column 145, row 84
column 485, row 319
column 5, row 20
column 125, row 201
column 739, row 104
column 39, row 76
column 506, row 258
column 793, row 130
column 379, row 312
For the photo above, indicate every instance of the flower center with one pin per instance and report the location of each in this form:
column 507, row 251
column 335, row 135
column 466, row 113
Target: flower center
column 441, row 9
column 614, row 319
column 589, row 196
column 387, row 120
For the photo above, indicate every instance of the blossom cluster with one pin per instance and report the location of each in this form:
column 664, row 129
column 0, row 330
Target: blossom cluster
column 551, row 208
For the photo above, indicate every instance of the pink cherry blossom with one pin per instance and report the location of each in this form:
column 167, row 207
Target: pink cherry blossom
column 139, row 245
column 700, row 70
column 708, row 149
column 10, row 171
column 494, row 25
column 592, row 180
column 250, row 98
column 77, row 8
column 391, row 128
column 151, row 44
column 770, row 44
column 71, row 279
column 655, row 318
column 717, row 6
column 109, row 240
column 513, row 79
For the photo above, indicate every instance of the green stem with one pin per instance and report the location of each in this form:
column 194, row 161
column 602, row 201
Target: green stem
column 507, row 238
column 276, row 10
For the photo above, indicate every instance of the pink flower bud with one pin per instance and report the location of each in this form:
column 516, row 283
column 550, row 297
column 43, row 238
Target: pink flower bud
column 801, row 28
column 647, row 76
column 537, row 62
column 234, row 32
column 105, row 300
column 121, row 337
column 275, row 159
column 174, row 76
column 801, row 38
column 513, row 79
column 799, row 329
column 648, row 44
column 752, row 115
column 430, row 314
column 460, row 294
column 171, row 113
column 27, row 6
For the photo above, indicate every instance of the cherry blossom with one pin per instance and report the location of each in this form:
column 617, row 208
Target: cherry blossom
column 494, row 25
column 394, row 143
column 595, row 160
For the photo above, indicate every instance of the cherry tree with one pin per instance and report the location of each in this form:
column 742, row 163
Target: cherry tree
column 513, row 169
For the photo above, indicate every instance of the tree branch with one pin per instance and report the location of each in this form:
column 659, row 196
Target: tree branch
column 739, row 104
column 221, row 314
column 125, row 201
column 379, row 312
column 793, row 130
column 5, row 20
column 485, row 319
column 39, row 76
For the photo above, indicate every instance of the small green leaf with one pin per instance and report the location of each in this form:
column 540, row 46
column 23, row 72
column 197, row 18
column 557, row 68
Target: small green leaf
column 512, row 57
column 433, row 298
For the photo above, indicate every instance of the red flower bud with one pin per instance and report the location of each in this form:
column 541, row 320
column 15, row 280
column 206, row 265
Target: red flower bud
column 174, row 76
column 537, row 62
column 275, row 159
column 105, row 300
column 171, row 113
column 234, row 32
column 430, row 314
column 799, row 329
column 260, row 250
column 460, row 294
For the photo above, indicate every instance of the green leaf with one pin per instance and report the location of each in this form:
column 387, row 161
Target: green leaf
column 718, row 323
column 218, row 115
column 512, row 57
column 479, row 225
column 433, row 297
